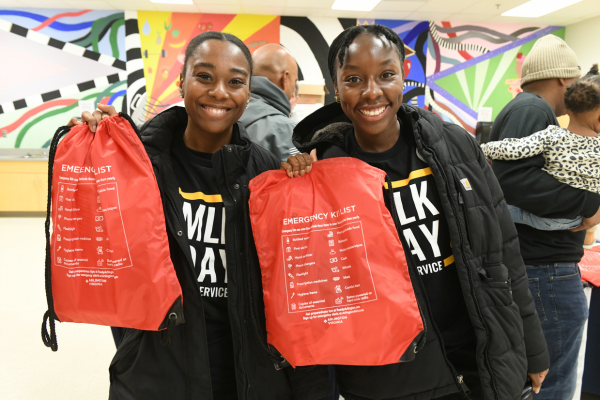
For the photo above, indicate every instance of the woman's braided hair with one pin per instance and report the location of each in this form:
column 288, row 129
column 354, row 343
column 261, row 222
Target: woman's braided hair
column 584, row 95
column 223, row 37
column 340, row 44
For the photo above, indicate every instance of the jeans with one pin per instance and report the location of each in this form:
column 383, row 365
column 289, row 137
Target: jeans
column 562, row 308
column 520, row 216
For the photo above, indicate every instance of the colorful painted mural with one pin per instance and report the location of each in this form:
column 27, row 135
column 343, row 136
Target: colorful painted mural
column 476, row 65
column 133, row 60
column 164, row 37
column 101, row 31
column 60, row 57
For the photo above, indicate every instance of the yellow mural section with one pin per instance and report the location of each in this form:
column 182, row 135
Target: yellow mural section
column 152, row 44
column 243, row 26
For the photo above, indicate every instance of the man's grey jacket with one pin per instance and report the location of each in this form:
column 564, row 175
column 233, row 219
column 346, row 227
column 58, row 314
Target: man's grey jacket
column 266, row 118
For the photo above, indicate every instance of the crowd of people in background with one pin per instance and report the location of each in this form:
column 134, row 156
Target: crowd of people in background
column 506, row 312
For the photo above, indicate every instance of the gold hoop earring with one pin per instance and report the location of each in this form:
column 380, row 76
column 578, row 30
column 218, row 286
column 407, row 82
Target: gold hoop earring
column 337, row 99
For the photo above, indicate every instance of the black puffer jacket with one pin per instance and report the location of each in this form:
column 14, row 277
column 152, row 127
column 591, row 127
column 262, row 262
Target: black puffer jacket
column 510, row 341
column 144, row 368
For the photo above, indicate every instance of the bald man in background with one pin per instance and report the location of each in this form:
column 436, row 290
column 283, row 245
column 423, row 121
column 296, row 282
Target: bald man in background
column 267, row 117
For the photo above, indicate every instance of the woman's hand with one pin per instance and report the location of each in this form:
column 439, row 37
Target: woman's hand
column 94, row 118
column 299, row 164
column 537, row 379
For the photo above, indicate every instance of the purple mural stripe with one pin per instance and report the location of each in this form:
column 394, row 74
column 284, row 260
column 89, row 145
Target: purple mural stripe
column 464, row 65
column 438, row 89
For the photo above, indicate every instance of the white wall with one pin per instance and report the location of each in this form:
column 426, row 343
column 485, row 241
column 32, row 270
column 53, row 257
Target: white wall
column 584, row 39
column 28, row 369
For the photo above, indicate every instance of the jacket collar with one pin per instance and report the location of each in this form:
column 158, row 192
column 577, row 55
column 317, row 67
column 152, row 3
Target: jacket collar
column 158, row 133
column 329, row 126
column 266, row 91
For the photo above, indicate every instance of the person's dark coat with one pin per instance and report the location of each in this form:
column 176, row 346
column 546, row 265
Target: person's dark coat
column 510, row 341
column 144, row 368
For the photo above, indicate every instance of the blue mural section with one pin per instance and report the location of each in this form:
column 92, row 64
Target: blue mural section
column 101, row 31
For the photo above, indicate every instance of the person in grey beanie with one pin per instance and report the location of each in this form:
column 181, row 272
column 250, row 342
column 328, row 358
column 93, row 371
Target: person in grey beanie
column 267, row 117
column 550, row 257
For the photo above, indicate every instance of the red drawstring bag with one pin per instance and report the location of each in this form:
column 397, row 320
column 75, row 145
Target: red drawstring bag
column 108, row 259
column 335, row 280
column 589, row 266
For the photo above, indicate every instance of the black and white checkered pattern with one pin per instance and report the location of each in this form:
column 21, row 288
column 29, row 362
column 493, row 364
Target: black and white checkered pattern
column 136, row 82
column 37, row 99
column 58, row 44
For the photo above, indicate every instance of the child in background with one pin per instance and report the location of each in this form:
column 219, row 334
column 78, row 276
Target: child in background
column 572, row 155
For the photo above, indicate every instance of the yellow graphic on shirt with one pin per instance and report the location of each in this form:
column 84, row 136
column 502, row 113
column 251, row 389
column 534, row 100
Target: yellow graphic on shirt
column 208, row 198
column 419, row 173
column 449, row 260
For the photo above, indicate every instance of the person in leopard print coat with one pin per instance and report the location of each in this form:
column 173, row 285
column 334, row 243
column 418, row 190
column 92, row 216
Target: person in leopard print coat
column 572, row 155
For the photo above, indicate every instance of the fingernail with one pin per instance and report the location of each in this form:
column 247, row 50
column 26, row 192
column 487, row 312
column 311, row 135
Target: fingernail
column 93, row 128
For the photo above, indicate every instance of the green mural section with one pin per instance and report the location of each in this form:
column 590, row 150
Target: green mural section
column 493, row 82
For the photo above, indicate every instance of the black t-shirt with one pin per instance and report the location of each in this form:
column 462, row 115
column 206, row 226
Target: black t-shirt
column 425, row 229
column 204, row 215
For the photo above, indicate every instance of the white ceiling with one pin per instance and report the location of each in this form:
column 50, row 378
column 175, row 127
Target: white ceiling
column 449, row 10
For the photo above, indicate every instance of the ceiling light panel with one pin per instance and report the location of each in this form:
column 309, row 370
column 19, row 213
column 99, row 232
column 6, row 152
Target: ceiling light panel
column 355, row 5
column 172, row 1
column 537, row 8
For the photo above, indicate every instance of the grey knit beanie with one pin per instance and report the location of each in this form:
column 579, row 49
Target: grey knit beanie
column 550, row 57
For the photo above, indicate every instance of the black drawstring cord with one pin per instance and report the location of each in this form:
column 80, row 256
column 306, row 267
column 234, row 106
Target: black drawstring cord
column 165, row 335
column 277, row 359
column 49, row 339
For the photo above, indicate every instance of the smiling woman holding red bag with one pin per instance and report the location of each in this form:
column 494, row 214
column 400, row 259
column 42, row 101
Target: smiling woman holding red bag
column 203, row 160
column 458, row 236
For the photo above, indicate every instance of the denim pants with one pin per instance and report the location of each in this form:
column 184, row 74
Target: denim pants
column 520, row 216
column 563, row 310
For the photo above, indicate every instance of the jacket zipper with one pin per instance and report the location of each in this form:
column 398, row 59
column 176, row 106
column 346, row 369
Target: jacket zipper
column 172, row 202
column 487, row 335
column 235, row 215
